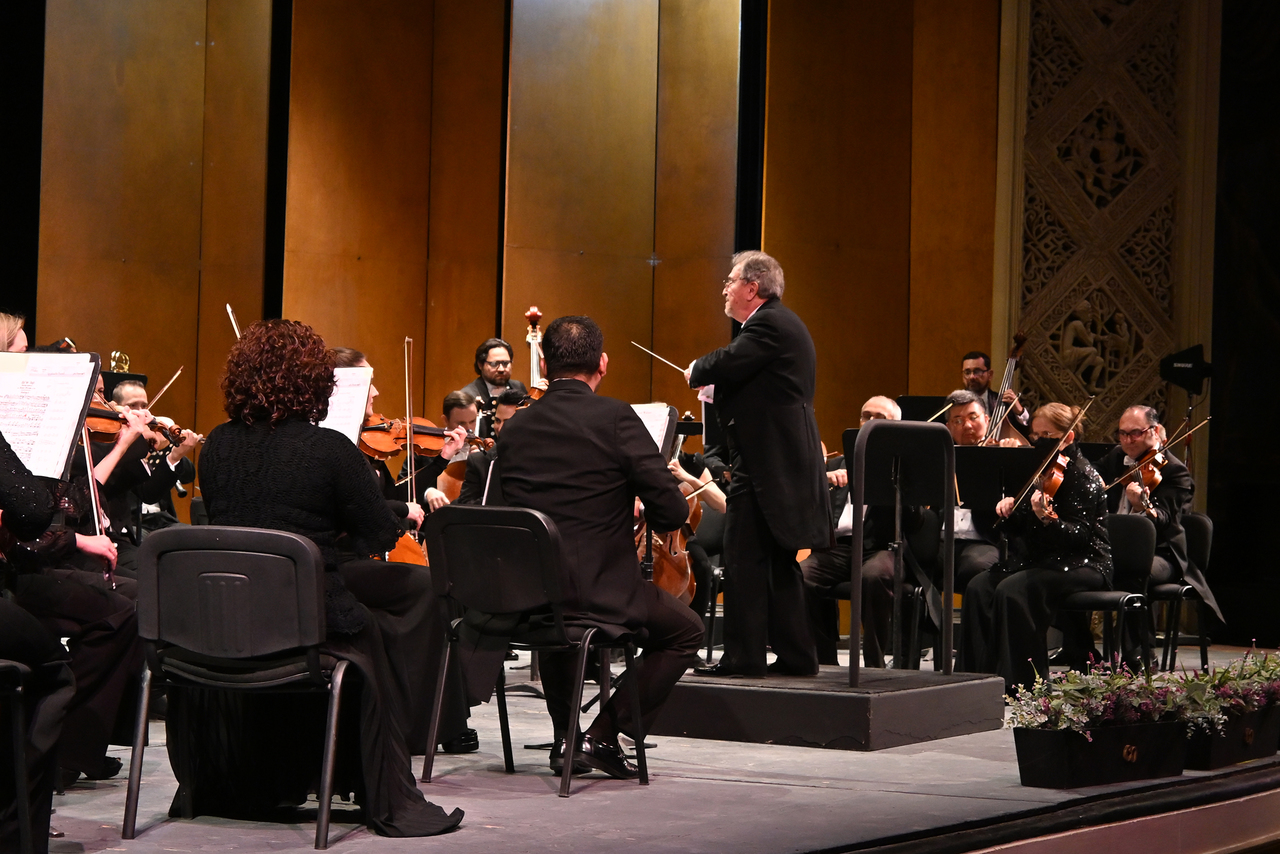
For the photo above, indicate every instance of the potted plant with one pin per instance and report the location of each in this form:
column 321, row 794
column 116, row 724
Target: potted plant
column 1232, row 713
column 1105, row 726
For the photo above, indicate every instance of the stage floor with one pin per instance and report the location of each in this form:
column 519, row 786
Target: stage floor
column 706, row 796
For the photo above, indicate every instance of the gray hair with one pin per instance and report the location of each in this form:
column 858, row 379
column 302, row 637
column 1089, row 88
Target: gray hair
column 963, row 397
column 763, row 270
column 889, row 403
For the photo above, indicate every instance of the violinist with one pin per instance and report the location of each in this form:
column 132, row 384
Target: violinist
column 13, row 338
column 582, row 458
column 825, row 568
column 1162, row 490
column 1057, row 546
column 493, row 365
column 976, row 373
column 694, row 474
column 149, row 505
column 477, row 479
column 271, row 466
column 460, row 416
column 967, row 419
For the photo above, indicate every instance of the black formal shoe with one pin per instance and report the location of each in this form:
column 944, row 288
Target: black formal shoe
column 606, row 757
column 722, row 669
column 781, row 668
column 467, row 741
column 557, row 760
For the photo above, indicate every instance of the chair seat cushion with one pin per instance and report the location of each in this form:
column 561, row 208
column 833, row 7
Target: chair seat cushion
column 185, row 666
column 1101, row 600
column 1172, row 590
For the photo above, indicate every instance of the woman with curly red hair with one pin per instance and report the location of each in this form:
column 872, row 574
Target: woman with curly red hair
column 270, row 466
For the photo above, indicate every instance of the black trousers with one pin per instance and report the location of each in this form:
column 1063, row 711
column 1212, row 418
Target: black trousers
column 106, row 657
column 47, row 693
column 971, row 557
column 673, row 636
column 764, row 603
column 1005, row 616
column 826, row 568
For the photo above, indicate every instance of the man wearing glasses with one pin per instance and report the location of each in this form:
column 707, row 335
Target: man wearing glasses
column 493, row 364
column 1140, row 431
column 762, row 385
column 975, row 370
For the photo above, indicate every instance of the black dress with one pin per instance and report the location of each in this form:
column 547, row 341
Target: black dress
column 1007, row 610
column 28, row 509
column 381, row 617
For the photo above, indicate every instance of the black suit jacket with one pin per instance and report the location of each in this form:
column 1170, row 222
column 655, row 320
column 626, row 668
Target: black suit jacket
column 486, row 402
column 582, row 459
column 473, row 483
column 764, row 384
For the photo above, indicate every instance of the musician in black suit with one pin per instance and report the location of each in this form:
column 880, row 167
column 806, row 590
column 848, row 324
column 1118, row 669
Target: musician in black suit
column 975, row 371
column 763, row 391
column 583, row 459
column 494, row 359
column 477, row 481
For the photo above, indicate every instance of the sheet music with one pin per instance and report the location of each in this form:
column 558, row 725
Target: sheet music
column 657, row 419
column 42, row 399
column 347, row 404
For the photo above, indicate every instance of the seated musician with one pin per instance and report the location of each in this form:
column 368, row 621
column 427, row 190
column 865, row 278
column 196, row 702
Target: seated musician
column 1141, row 432
column 460, row 412
column 270, row 466
column 975, row 541
column 477, row 483
column 1057, row 546
column 825, row 568
column 149, row 505
column 583, row 459
column 975, row 371
column 493, row 368
column 693, row 473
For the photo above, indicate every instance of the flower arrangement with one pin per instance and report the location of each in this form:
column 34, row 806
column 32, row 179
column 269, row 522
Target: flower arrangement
column 1212, row 696
column 1104, row 696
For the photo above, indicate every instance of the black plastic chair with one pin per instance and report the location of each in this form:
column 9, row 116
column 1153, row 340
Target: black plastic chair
column 1199, row 529
column 236, row 609
column 12, row 677
column 1133, row 545
column 504, row 562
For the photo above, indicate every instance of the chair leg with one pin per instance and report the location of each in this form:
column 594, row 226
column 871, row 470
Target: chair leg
column 575, row 703
column 330, row 752
column 1173, row 632
column 637, row 718
column 504, row 723
column 1202, row 618
column 606, row 675
column 1145, row 616
column 711, row 607
column 21, row 790
column 1117, row 638
column 1107, row 655
column 913, row 642
column 129, row 826
column 433, row 730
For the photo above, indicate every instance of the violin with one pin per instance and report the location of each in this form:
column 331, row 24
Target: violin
column 1146, row 473
column 381, row 438
column 1050, row 480
column 428, row 439
column 107, row 421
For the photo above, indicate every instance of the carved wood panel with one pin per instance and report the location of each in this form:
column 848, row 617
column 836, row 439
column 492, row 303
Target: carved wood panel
column 1100, row 203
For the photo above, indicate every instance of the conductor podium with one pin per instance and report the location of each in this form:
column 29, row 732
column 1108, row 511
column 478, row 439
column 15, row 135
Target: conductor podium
column 894, row 463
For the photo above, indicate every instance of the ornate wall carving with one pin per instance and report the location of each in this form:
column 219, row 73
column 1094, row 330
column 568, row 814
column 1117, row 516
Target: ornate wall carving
column 1100, row 202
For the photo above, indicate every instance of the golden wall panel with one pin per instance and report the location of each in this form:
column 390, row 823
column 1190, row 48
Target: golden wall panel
column 580, row 176
column 233, row 201
column 696, row 187
column 837, row 191
column 356, row 221
column 465, row 235
column 121, row 182
column 953, row 178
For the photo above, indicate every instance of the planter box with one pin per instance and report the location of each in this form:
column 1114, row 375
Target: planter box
column 1252, row 735
column 1065, row 759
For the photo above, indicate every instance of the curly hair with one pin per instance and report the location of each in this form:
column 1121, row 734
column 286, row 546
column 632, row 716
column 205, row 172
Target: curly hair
column 278, row 369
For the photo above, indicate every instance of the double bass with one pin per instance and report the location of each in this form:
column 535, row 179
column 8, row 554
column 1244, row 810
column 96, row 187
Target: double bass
column 998, row 426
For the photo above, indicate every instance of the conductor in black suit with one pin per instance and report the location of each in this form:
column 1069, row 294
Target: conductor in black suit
column 583, row 459
column 763, row 392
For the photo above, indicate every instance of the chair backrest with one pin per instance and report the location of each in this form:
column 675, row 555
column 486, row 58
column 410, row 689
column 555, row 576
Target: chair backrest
column 495, row 560
column 1133, row 544
column 230, row 592
column 1199, row 528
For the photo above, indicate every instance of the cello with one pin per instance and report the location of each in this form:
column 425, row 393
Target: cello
column 998, row 427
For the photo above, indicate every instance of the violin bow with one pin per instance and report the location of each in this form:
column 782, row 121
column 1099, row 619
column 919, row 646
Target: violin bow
column 935, row 416
column 166, row 388
column 1062, row 443
column 1168, row 444
column 408, row 402
column 234, row 325
column 108, row 574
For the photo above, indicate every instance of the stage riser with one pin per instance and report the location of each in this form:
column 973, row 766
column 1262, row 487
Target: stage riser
column 890, row 709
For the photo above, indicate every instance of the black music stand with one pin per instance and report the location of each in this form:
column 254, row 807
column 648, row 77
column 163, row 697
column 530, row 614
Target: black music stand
column 986, row 475
column 900, row 462
column 919, row 407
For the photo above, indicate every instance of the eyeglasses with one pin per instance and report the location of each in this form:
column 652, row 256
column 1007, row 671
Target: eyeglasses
column 732, row 281
column 975, row 372
column 972, row 418
column 1134, row 435
column 500, row 363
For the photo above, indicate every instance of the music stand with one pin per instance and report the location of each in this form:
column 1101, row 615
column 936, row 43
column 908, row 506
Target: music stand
column 900, row 462
column 920, row 407
column 986, row 475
